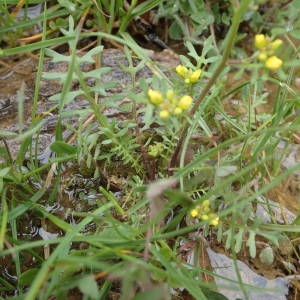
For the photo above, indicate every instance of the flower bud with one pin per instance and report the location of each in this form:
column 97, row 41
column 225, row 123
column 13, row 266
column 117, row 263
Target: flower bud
column 276, row 44
column 260, row 41
column 194, row 213
column 273, row 63
column 204, row 217
column 177, row 111
column 155, row 97
column 164, row 114
column 214, row 219
column 195, row 76
column 181, row 70
column 185, row 102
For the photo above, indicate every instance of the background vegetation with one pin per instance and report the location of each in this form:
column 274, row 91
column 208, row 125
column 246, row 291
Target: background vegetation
column 138, row 183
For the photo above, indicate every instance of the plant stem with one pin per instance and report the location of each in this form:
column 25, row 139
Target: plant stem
column 128, row 16
column 239, row 11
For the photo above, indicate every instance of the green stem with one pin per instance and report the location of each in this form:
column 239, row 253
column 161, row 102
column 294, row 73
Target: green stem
column 239, row 11
column 128, row 16
column 112, row 10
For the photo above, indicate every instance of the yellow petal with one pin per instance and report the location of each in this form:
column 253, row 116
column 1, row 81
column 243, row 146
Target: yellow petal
column 214, row 219
column 164, row 114
column 194, row 213
column 185, row 102
column 273, row 63
column 195, row 76
column 276, row 44
column 181, row 70
column 177, row 111
column 214, row 222
column 155, row 97
column 260, row 41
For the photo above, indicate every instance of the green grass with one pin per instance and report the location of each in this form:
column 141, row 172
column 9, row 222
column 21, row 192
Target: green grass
column 126, row 226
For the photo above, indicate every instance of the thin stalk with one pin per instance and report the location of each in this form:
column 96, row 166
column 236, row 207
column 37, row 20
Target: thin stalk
column 100, row 17
column 236, row 267
column 17, row 259
column 112, row 11
column 37, row 84
column 128, row 16
column 4, row 218
column 239, row 11
column 40, row 68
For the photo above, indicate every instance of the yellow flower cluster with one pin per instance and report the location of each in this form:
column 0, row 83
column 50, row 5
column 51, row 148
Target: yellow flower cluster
column 169, row 105
column 189, row 75
column 267, row 48
column 203, row 212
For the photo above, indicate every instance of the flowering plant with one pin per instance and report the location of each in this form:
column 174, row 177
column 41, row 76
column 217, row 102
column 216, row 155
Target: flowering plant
column 203, row 212
column 267, row 49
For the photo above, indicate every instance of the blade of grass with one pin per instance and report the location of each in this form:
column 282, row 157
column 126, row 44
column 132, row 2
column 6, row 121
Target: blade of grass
column 110, row 196
column 52, row 14
column 17, row 260
column 36, row 46
column 60, row 252
column 4, row 218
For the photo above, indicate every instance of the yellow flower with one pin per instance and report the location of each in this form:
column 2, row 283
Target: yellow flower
column 273, row 63
column 276, row 44
column 189, row 75
column 202, row 212
column 185, row 102
column 194, row 213
column 214, row 219
column 260, row 41
column 155, row 97
column 181, row 70
column 266, row 51
column 195, row 76
column 164, row 114
column 177, row 111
